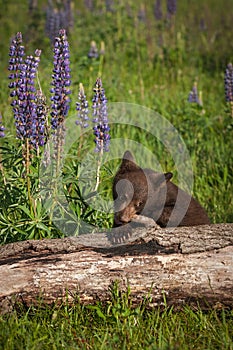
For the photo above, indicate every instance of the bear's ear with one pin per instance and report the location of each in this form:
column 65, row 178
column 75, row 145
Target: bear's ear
column 158, row 179
column 128, row 156
column 128, row 163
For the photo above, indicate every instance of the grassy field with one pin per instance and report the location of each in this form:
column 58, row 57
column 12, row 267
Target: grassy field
column 151, row 63
column 116, row 325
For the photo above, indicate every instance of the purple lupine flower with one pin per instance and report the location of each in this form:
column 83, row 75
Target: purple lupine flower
column 61, row 80
column 29, row 74
column 26, row 97
column 23, row 74
column 171, row 7
column 158, row 10
column 93, row 52
column 2, row 134
column 100, row 114
column 82, row 108
column 16, row 54
column 193, row 95
column 228, row 81
column 16, row 60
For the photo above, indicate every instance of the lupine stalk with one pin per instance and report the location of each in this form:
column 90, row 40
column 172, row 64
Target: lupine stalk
column 93, row 52
column 82, row 115
column 228, row 81
column 102, row 48
column 82, row 108
column 171, row 7
column 60, row 98
column 101, row 128
column 31, row 109
column 158, row 10
column 23, row 74
column 40, row 126
column 194, row 96
column 60, row 103
column 101, row 60
column 61, row 80
column 171, row 11
column 100, row 114
column 58, row 18
column 109, row 5
column 16, row 54
column 25, row 105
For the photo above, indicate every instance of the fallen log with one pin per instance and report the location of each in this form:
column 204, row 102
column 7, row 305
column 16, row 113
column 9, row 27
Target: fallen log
column 185, row 265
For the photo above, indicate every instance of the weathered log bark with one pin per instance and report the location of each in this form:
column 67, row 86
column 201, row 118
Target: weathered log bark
column 185, row 265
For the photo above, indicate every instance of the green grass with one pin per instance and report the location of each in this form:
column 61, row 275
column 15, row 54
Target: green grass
column 116, row 325
column 135, row 69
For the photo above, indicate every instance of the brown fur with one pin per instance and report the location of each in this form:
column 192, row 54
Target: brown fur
column 149, row 193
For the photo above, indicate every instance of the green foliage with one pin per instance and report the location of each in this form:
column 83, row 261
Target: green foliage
column 149, row 62
column 116, row 325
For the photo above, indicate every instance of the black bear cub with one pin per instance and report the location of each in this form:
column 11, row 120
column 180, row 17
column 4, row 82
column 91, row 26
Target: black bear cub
column 138, row 191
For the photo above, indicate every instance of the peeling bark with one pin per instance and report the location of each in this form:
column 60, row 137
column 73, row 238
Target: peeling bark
column 185, row 264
